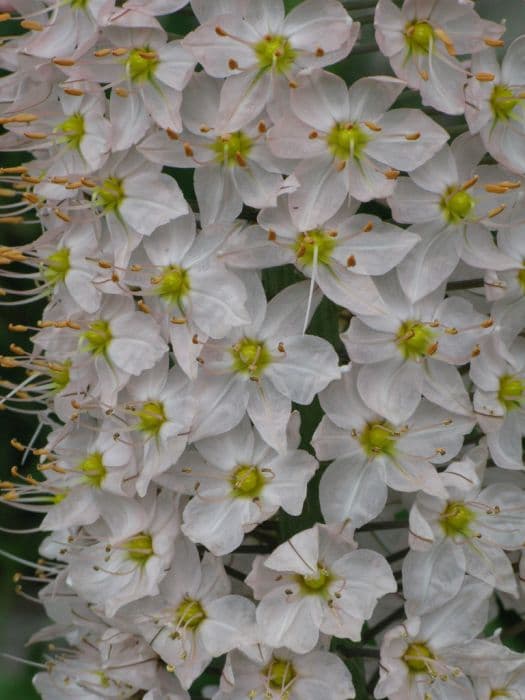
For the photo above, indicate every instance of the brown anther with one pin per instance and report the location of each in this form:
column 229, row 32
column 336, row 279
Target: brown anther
column 75, row 404
column 413, row 137
column 340, row 166
column 172, row 134
column 469, row 183
column 32, row 25
column 272, row 236
column 121, row 92
column 484, row 76
column 204, row 128
column 18, row 446
column 115, row 277
column 281, row 347
column 241, row 160
column 424, row 75
column 9, row 496
column 105, row 264
column 367, row 227
column 155, row 280
column 119, row 52
column 487, row 323
column 31, row 179
column 17, row 328
column 441, row 451
column 148, row 55
column 232, row 64
column 87, row 182
column 261, row 127
column 372, row 126
column 476, row 351
column 433, row 349
column 292, row 84
column 101, row 53
column 178, row 321
column 220, row 31
column 351, row 261
column 74, row 185
column 135, row 268
column 16, row 349
column 511, row 185
column 76, row 92
column 4, row 16
column 195, row 339
column 59, row 180
column 319, row 52
column 142, row 306
column 14, row 170
column 495, row 189
column 447, row 41
column 11, row 219
column 62, row 215
column 392, row 174
column 497, row 210
column 64, row 61
column 7, row 362
column 30, row 197
column 6, row 192
column 188, row 150
column 495, row 43
column 451, row 331
column 313, row 135
column 35, row 135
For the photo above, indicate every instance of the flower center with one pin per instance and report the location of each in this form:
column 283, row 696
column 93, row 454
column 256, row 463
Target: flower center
column 499, row 693
column 414, row 339
column 73, row 130
column 275, row 52
column 306, row 244
column 247, row 481
column 98, row 337
column 521, row 278
column 232, row 149
column 250, row 357
column 503, row 102
column 377, row 439
column 151, row 417
column 141, row 64
column 189, row 614
column 316, row 583
column 511, row 391
column 347, row 141
column 60, row 376
column 417, row 657
column 57, row 266
column 139, row 548
column 456, row 520
column 109, row 195
column 78, row 4
column 456, row 205
column 174, row 285
column 280, row 674
column 93, row 469
column 419, row 36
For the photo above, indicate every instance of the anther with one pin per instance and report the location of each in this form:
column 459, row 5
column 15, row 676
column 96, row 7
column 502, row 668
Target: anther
column 272, row 236
column 62, row 215
column 188, row 150
column 497, row 210
column 469, row 183
column 476, row 351
column 261, row 127
column 178, row 321
column 172, row 134
column 35, row 135
column 433, row 349
column 241, row 161
column 495, row 189
column 424, row 75
column 119, row 52
column 281, row 347
column 319, row 52
column 101, row 53
column 220, row 31
column 76, row 92
column 340, row 166
column 64, row 61
column 313, row 135
column 32, row 25
column 142, row 306
column 121, row 92
column 392, row 174
column 493, row 42
column 372, row 126
column 413, row 137
column 232, row 64
column 484, row 76
column 17, row 328
column 351, row 261
column 487, row 323
column 4, row 16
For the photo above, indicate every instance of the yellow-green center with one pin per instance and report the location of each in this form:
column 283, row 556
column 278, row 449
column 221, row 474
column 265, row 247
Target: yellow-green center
column 57, row 266
column 93, row 469
column 316, row 583
column 78, row 4
column 274, row 52
column 139, row 548
column 141, row 64
column 110, row 195
column 378, row 439
column 251, row 357
column 417, row 657
column 346, row 141
column 511, row 391
column 280, row 674
column 97, row 338
column 232, row 149
column 521, row 278
column 247, row 481
column 307, row 243
column 414, row 339
column 151, row 417
column 59, row 375
column 73, row 129
column 456, row 520
column 173, row 285
column 503, row 102
column 189, row 614
column 419, row 36
column 456, row 205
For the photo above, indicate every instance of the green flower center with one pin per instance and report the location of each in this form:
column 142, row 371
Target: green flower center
column 78, row 4
column 456, row 205
column 98, row 337
column 59, row 497
column 499, row 693
column 521, row 278
column 306, row 244
column 419, row 36
column 73, row 130
column 280, row 674
column 377, row 439
column 232, row 149
column 511, row 391
column 189, row 614
column 93, row 469
column 456, row 520
column 110, row 195
column 247, row 481
column 59, row 375
column 316, row 583
column 141, row 64
column 275, row 53
column 139, row 548
column 347, row 141
column 414, row 339
column 503, row 102
column 174, row 285
column 151, row 417
column 417, row 657
column 250, row 357
column 57, row 266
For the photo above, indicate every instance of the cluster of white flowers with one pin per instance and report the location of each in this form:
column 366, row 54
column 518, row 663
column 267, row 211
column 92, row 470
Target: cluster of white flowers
column 174, row 466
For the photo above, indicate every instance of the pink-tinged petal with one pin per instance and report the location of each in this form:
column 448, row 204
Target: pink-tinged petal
column 129, row 120
column 175, row 66
column 321, row 101
column 229, row 620
column 389, row 25
column 163, row 105
column 443, row 385
column 331, row 442
column 222, row 403
column 367, row 180
column 300, row 554
column 290, row 138
column 257, row 187
column 242, row 99
column 437, row 173
column 371, row 97
column 357, row 293
column 270, row 412
column 411, row 204
column 219, row 526
column 323, row 190
column 513, row 66
column 391, row 388
column 367, row 345
column 218, row 197
column 286, row 312
column 314, row 24
column 291, row 623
